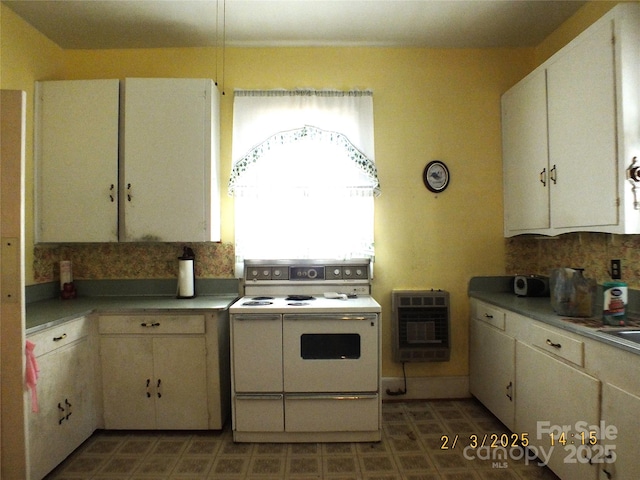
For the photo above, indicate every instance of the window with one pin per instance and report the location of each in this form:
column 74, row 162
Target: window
column 303, row 175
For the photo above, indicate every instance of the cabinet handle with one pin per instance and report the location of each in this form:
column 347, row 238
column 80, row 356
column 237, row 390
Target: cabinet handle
column 486, row 315
column 158, row 388
column 61, row 337
column 149, row 325
column 111, row 197
column 61, row 412
column 69, row 412
column 509, row 388
column 553, row 174
column 554, row 345
column 148, row 392
column 129, row 192
column 543, row 177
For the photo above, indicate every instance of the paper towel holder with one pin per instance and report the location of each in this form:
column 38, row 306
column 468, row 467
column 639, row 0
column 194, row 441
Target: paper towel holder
column 186, row 274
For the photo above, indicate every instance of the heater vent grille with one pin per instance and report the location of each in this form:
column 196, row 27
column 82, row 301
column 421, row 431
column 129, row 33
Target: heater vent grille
column 420, row 325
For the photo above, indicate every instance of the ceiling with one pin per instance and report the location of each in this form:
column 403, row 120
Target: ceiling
column 98, row 24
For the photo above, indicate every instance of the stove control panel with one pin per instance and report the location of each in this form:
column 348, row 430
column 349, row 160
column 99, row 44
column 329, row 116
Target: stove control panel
column 261, row 271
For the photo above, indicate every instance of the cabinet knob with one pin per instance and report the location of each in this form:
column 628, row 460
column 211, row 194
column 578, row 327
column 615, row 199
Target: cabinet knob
column 61, row 337
column 553, row 174
column 158, row 388
column 129, row 192
column 148, row 392
column 111, row 197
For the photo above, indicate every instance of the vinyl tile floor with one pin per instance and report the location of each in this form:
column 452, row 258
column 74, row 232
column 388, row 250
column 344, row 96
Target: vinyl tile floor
column 411, row 449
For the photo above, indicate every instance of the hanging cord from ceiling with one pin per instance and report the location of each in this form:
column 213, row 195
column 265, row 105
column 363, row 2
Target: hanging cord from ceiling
column 400, row 391
column 215, row 43
column 220, row 68
column 224, row 40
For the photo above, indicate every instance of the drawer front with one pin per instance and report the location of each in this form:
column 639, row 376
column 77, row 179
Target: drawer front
column 151, row 324
column 60, row 335
column 490, row 314
column 259, row 413
column 339, row 413
column 561, row 345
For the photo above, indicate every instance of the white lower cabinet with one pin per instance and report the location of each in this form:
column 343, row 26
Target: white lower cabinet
column 491, row 377
column 617, row 454
column 154, row 383
column 554, row 401
column 66, row 394
column 554, row 388
column 164, row 371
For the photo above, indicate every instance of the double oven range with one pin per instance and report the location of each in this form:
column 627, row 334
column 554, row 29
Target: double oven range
column 305, row 353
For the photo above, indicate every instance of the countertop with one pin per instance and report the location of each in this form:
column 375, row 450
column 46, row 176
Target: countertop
column 489, row 290
column 46, row 313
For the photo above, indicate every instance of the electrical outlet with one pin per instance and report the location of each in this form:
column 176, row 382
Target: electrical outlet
column 616, row 272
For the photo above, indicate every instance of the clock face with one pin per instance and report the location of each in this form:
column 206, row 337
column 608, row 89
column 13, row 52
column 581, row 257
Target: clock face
column 436, row 176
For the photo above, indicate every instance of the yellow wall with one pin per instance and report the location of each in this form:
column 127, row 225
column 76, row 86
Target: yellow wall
column 572, row 28
column 26, row 56
column 429, row 104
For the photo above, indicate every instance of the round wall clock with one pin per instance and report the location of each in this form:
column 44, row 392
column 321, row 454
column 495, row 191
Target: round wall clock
column 436, row 176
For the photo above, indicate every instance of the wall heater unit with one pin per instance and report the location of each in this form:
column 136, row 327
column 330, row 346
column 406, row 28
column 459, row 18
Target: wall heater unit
column 420, row 325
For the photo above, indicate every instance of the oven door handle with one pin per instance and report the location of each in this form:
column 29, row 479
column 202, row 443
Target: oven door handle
column 329, row 396
column 255, row 318
column 331, row 317
column 257, row 396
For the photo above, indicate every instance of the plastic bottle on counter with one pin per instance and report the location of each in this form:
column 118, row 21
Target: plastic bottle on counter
column 615, row 303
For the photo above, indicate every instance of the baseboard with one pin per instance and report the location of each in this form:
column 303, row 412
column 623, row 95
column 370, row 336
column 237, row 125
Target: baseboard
column 426, row 388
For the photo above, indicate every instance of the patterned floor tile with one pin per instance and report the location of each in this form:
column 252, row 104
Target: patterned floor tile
column 411, row 449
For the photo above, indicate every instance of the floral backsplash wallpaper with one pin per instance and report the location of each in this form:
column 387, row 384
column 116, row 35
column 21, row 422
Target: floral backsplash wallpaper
column 525, row 254
column 131, row 260
column 592, row 251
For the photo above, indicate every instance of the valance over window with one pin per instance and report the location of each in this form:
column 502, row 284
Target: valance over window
column 271, row 125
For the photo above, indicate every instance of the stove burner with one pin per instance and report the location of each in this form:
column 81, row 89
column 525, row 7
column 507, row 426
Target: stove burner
column 299, row 298
column 255, row 303
column 262, row 298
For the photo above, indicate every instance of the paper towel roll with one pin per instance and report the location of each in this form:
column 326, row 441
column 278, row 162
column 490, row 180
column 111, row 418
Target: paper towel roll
column 66, row 273
column 185, row 279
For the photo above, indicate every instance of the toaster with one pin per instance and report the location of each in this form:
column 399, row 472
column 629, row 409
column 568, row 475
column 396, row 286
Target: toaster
column 531, row 286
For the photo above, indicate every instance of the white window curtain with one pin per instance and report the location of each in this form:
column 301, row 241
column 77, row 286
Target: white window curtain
column 303, row 174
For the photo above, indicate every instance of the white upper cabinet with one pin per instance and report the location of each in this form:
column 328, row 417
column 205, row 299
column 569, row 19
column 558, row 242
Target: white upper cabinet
column 76, row 151
column 570, row 132
column 137, row 161
column 582, row 132
column 525, row 150
column 169, row 161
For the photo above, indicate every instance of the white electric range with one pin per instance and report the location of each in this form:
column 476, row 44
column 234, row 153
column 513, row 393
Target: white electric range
column 305, row 353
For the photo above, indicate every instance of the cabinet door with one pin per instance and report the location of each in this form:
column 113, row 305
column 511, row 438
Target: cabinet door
column 525, row 156
column 553, row 397
column 44, row 427
column 166, row 164
column 620, row 410
column 257, row 353
column 180, row 377
column 128, row 382
column 582, row 133
column 66, row 397
column 76, row 152
column 491, row 370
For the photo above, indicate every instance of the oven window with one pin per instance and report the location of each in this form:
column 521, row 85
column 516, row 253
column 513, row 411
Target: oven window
column 329, row 346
